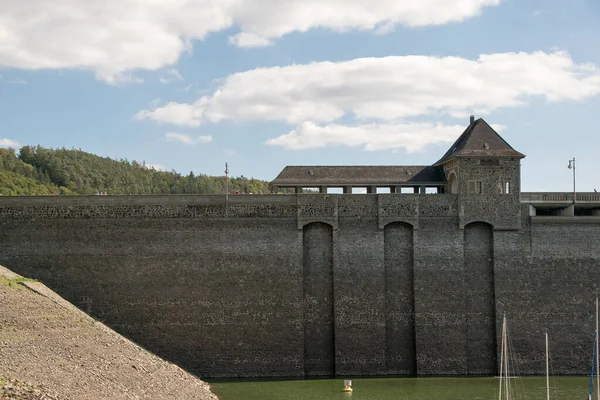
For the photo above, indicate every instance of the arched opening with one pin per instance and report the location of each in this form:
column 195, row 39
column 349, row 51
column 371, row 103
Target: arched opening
column 319, row 339
column 453, row 183
column 480, row 304
column 401, row 357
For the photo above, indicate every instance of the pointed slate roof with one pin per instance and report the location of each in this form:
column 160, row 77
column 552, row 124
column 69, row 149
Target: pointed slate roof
column 479, row 139
column 359, row 175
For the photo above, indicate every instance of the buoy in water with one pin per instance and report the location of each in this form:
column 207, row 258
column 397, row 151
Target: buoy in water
column 347, row 386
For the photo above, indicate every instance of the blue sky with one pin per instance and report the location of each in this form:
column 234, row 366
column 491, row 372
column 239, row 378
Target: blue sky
column 191, row 84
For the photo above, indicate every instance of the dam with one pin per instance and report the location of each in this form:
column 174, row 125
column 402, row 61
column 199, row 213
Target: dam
column 411, row 282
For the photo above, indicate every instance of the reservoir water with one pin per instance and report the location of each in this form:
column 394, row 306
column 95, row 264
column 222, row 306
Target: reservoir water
column 531, row 388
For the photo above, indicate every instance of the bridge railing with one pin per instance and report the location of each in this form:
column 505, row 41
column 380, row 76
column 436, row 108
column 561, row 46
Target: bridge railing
column 557, row 197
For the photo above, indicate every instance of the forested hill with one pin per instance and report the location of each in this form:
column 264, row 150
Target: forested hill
column 41, row 171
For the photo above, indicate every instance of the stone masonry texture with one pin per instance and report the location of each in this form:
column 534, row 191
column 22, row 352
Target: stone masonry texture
column 320, row 285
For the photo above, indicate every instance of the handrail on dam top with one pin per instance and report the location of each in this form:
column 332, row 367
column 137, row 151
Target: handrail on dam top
column 526, row 197
column 567, row 197
column 202, row 200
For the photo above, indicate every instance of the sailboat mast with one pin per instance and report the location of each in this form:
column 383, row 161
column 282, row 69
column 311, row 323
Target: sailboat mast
column 547, row 371
column 593, row 365
column 506, row 378
column 502, row 356
column 597, row 352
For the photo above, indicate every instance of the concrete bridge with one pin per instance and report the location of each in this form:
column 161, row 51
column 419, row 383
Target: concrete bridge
column 560, row 204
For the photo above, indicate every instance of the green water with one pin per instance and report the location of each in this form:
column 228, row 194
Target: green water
column 531, row 388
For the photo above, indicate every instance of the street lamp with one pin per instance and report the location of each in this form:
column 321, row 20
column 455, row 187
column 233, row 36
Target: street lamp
column 227, row 188
column 572, row 166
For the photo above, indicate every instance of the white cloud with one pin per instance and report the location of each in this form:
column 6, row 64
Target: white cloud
column 171, row 75
column 15, row 81
column 9, row 143
column 153, row 104
column 18, row 81
column 157, row 167
column 387, row 89
column 187, row 139
column 174, row 113
column 109, row 37
column 112, row 38
column 123, row 77
column 411, row 137
column 245, row 39
column 384, row 29
column 342, row 15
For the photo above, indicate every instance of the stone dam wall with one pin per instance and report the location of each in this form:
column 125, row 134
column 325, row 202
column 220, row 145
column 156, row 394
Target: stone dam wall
column 316, row 285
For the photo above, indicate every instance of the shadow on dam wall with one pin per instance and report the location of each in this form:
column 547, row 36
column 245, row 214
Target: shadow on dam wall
column 319, row 340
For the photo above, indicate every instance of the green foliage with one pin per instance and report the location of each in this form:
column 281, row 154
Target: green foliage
column 13, row 184
column 20, row 279
column 4, row 281
column 41, row 171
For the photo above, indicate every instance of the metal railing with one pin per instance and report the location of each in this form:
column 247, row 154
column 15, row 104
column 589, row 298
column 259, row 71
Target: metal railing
column 566, row 197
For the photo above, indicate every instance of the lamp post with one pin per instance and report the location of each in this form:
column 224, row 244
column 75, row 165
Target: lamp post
column 227, row 189
column 572, row 166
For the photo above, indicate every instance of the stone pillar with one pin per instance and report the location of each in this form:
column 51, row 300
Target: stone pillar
column 532, row 211
column 566, row 212
column 371, row 189
column 319, row 356
column 439, row 275
column 401, row 358
column 323, row 189
column 298, row 189
column 347, row 189
column 360, row 324
column 422, row 189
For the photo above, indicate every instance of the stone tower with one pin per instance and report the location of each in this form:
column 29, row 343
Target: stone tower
column 485, row 171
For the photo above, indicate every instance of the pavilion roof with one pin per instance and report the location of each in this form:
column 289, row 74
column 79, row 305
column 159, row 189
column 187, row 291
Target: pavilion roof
column 308, row 176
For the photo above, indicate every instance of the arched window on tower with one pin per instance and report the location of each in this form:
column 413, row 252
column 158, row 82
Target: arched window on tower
column 453, row 183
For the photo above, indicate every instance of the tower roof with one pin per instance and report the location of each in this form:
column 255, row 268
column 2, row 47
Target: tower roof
column 479, row 140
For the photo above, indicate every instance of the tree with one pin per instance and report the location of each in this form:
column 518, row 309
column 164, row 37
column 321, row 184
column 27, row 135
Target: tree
column 70, row 171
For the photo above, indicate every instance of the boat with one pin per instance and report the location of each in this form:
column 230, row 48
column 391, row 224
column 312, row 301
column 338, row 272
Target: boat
column 347, row 387
column 504, row 392
column 507, row 369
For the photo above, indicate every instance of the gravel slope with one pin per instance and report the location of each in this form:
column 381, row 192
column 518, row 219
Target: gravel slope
column 49, row 349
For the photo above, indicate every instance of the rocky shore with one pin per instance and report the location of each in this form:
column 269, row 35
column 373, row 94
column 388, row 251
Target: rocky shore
column 49, row 349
